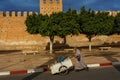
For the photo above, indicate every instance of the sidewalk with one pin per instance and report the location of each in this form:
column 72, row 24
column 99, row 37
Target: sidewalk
column 14, row 61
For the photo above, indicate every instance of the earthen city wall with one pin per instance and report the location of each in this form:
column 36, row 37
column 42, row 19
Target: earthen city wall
column 13, row 34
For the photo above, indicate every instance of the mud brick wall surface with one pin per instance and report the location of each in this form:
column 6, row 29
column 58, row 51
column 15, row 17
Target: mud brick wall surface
column 13, row 35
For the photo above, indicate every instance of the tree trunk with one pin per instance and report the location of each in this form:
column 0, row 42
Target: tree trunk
column 64, row 40
column 90, row 46
column 51, row 47
column 51, row 44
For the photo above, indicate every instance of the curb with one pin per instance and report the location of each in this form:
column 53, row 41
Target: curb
column 45, row 69
column 22, row 71
column 103, row 64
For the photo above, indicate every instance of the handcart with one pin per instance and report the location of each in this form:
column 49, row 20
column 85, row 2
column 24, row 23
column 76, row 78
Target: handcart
column 62, row 67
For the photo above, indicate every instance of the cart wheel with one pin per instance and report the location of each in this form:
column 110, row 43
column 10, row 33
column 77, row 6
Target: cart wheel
column 63, row 70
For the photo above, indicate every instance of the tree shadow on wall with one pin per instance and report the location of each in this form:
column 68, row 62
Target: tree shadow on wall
column 105, row 44
column 58, row 46
column 113, row 44
column 9, row 51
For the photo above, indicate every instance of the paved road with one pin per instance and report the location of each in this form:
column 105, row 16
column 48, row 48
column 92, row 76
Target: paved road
column 101, row 73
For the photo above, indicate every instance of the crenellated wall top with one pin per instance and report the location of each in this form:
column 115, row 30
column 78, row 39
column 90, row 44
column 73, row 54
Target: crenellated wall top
column 25, row 13
column 51, row 1
column 16, row 14
column 111, row 13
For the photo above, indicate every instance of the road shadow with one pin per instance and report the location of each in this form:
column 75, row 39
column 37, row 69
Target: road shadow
column 54, row 59
column 109, row 56
column 12, row 64
column 32, row 76
column 117, row 67
column 45, row 66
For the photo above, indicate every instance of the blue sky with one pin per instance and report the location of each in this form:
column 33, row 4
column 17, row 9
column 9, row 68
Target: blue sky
column 33, row 5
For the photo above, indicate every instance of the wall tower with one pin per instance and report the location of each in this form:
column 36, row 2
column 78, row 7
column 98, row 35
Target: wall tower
column 49, row 6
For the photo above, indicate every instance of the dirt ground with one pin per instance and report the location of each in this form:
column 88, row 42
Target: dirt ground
column 15, row 60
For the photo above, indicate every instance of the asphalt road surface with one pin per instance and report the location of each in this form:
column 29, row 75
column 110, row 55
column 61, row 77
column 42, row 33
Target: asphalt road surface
column 101, row 73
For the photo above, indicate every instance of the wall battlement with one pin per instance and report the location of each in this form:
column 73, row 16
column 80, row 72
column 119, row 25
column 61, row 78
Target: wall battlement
column 112, row 13
column 16, row 14
column 24, row 14
column 50, row 1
